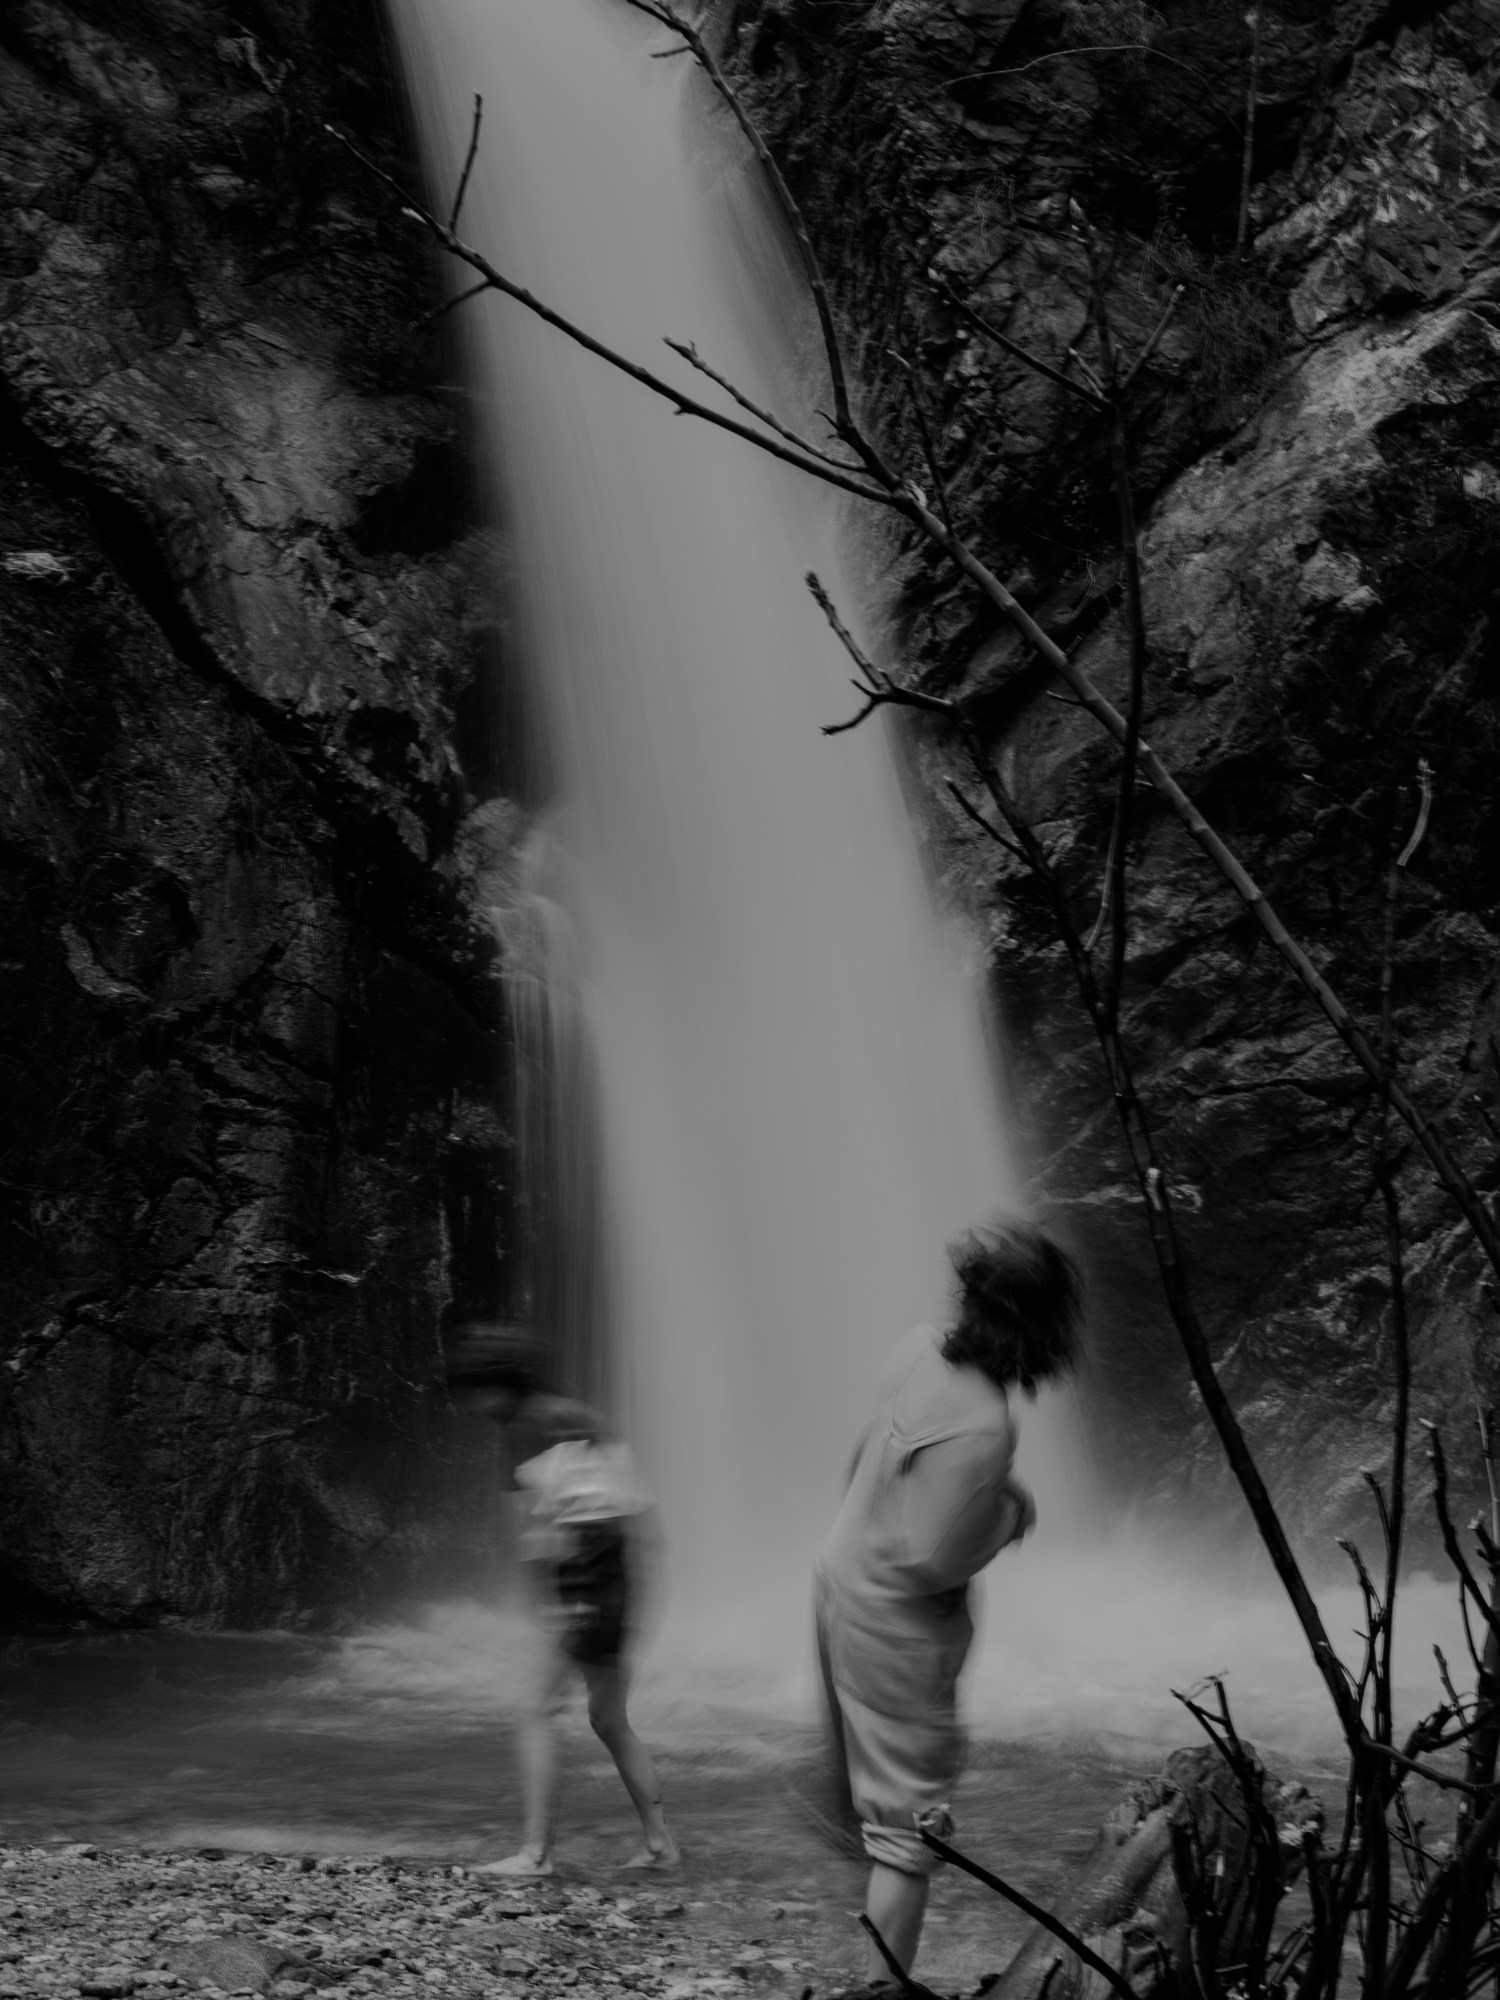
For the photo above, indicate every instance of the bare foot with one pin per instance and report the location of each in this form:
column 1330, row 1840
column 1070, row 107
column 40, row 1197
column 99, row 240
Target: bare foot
column 647, row 1856
column 524, row 1866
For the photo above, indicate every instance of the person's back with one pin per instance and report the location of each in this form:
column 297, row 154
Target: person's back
column 930, row 1498
column 930, row 1502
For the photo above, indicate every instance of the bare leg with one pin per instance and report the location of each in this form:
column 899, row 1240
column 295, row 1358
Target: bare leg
column 537, row 1747
column 896, row 1903
column 607, row 1718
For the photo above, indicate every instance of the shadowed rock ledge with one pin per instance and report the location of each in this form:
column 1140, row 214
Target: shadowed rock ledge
column 253, row 1042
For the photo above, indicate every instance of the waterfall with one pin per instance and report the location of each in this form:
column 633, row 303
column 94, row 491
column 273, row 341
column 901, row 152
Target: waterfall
column 556, row 1211
column 797, row 1102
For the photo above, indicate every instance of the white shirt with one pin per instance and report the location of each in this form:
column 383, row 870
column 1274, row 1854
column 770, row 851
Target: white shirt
column 579, row 1481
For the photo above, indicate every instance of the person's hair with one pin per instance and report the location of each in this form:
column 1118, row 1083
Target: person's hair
column 488, row 1354
column 1018, row 1304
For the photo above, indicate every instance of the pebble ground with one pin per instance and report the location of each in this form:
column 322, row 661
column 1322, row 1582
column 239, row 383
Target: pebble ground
column 86, row 1921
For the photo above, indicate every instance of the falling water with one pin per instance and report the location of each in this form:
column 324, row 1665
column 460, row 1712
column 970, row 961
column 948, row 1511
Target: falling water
column 798, row 1103
column 557, row 1217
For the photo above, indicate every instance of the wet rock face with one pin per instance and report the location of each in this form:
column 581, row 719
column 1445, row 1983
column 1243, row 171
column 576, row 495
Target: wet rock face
column 1315, row 445
column 252, row 1037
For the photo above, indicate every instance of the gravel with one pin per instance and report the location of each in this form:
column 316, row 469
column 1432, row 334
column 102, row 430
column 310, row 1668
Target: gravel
column 80, row 1920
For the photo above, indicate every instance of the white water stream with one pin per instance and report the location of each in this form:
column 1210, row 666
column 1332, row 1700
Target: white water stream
column 798, row 1103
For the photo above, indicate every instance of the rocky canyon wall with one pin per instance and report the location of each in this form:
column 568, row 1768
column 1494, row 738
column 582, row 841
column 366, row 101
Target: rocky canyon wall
column 1317, row 469
column 254, row 1133
column 258, row 741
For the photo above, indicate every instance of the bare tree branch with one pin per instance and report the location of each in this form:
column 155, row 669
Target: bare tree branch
column 660, row 10
column 686, row 405
column 972, row 812
column 1153, row 339
column 449, row 305
column 1428, row 1771
column 992, row 332
column 929, row 449
column 690, row 354
column 1449, row 1534
column 463, row 179
column 1075, row 1944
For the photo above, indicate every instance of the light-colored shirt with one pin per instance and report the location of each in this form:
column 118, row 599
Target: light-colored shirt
column 580, row 1481
column 930, row 1499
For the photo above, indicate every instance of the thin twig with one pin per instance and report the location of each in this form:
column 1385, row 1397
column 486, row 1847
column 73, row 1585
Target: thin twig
column 690, row 354
column 1449, row 1534
column 841, row 631
column 1096, row 386
column 463, row 179
column 1418, row 1934
column 1420, row 1770
column 448, row 305
column 1392, row 1518
column 1153, row 339
column 1048, row 1922
column 659, row 10
column 929, row 449
column 1424, row 779
column 685, row 404
column 973, row 812
column 1447, row 1680
column 1013, row 347
column 893, row 1964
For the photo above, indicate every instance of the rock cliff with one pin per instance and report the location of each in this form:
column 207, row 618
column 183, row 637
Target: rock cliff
column 1317, row 469
column 257, row 730
column 254, row 1130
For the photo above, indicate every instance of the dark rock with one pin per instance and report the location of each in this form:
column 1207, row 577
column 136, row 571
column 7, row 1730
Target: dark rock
column 1314, row 444
column 255, row 1109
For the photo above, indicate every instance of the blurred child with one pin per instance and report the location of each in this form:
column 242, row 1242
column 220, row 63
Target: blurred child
column 588, row 1536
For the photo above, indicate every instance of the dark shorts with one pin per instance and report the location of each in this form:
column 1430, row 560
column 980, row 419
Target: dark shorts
column 593, row 1589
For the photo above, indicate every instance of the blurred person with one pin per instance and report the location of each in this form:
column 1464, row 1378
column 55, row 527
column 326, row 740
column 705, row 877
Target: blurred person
column 588, row 1544
column 931, row 1500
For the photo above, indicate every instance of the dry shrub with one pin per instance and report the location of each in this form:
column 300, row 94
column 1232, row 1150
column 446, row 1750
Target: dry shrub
column 1237, row 317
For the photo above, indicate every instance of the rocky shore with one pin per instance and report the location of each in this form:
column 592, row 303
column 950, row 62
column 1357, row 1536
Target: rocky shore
column 81, row 1920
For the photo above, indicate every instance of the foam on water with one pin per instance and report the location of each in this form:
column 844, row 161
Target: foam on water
column 1090, row 1646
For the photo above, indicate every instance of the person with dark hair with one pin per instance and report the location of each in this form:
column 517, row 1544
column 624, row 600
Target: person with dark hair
column 931, row 1500
column 586, row 1541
